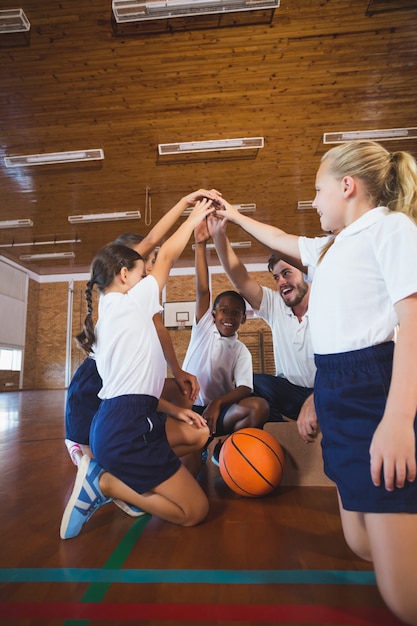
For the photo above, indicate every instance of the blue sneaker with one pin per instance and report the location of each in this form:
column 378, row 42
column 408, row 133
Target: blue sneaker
column 215, row 457
column 86, row 497
column 130, row 509
column 204, row 455
column 205, row 451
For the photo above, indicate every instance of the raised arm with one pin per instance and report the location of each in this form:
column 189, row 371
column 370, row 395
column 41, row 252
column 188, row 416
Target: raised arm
column 237, row 273
column 272, row 237
column 173, row 247
column 163, row 226
column 202, row 295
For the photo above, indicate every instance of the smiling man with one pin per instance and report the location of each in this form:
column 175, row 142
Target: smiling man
column 285, row 309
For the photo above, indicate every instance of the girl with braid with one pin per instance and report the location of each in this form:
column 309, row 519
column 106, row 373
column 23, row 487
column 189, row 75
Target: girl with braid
column 82, row 400
column 133, row 460
column 365, row 392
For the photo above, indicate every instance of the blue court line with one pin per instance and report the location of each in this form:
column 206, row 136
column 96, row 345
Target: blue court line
column 224, row 577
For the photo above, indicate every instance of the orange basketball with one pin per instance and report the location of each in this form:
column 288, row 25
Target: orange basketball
column 251, row 462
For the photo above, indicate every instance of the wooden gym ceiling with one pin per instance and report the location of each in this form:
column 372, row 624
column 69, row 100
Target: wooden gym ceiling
column 310, row 67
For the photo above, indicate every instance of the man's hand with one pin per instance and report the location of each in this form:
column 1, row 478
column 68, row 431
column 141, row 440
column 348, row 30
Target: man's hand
column 307, row 424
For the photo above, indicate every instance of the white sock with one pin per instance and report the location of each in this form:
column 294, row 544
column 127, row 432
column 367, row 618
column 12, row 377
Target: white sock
column 74, row 450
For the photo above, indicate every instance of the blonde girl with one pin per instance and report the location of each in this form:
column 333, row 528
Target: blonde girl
column 364, row 287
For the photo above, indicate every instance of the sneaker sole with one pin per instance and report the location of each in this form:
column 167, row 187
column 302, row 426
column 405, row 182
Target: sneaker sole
column 126, row 508
column 79, row 481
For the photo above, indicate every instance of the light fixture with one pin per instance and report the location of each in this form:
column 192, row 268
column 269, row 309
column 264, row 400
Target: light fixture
column 104, row 217
column 38, row 243
column 49, row 158
column 250, row 207
column 244, row 143
column 13, row 21
column 16, row 223
column 234, row 244
column 242, row 208
column 133, row 11
column 384, row 134
column 47, row 255
column 303, row 205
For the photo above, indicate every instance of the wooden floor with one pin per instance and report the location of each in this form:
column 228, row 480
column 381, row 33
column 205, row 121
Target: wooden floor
column 276, row 560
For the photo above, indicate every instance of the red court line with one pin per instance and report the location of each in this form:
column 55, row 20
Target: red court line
column 258, row 613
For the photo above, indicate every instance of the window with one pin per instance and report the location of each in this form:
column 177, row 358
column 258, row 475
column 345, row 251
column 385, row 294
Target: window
column 10, row 359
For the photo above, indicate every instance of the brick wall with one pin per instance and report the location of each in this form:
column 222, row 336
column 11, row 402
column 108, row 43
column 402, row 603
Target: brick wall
column 9, row 381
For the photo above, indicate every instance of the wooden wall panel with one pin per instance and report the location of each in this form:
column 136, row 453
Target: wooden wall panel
column 318, row 66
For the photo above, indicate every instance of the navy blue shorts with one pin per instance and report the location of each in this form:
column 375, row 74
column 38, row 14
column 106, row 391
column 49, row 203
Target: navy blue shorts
column 82, row 402
column 350, row 393
column 128, row 440
column 284, row 398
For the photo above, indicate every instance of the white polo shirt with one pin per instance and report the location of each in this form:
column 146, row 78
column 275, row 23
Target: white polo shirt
column 371, row 266
column 293, row 350
column 220, row 363
column 128, row 352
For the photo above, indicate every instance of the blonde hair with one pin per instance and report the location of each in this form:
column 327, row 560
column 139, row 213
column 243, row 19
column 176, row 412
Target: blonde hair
column 390, row 178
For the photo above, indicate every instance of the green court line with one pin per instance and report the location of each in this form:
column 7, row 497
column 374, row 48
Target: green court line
column 97, row 590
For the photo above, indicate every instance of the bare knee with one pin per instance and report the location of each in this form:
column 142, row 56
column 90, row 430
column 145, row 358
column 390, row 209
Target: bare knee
column 250, row 413
column 196, row 514
column 196, row 437
column 359, row 546
column 393, row 539
column 355, row 532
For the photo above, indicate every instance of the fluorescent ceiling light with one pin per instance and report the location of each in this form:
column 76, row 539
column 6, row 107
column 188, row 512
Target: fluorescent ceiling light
column 13, row 21
column 133, row 11
column 104, row 217
column 38, row 243
column 385, row 134
column 211, row 145
column 234, row 244
column 242, row 208
column 302, row 205
column 250, row 207
column 16, row 223
column 47, row 255
column 54, row 157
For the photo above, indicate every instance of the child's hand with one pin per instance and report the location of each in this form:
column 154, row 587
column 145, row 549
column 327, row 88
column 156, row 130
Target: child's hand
column 191, row 417
column 188, row 384
column 201, row 210
column 216, row 226
column 193, row 197
column 201, row 233
column 211, row 415
column 392, row 455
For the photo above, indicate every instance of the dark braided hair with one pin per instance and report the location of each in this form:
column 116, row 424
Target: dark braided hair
column 105, row 266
